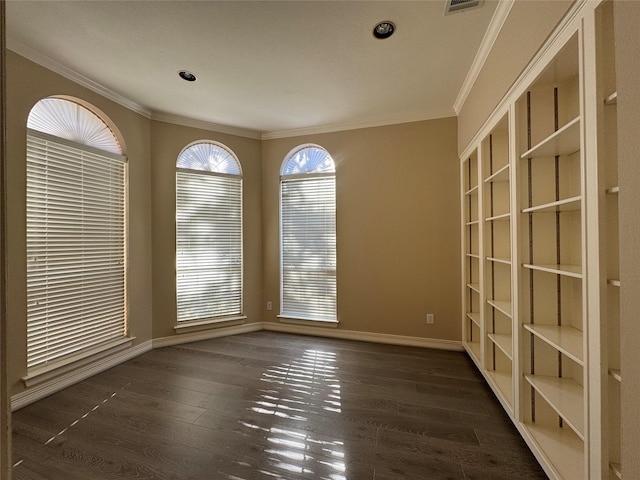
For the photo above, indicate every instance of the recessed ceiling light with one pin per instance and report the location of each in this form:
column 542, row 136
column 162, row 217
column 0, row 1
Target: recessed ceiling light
column 186, row 75
column 384, row 29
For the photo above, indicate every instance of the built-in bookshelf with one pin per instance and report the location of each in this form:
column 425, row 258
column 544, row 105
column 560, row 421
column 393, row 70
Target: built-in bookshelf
column 496, row 246
column 552, row 290
column 609, row 265
column 471, row 262
column 541, row 266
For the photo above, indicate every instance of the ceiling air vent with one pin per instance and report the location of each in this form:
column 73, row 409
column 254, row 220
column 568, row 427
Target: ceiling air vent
column 454, row 6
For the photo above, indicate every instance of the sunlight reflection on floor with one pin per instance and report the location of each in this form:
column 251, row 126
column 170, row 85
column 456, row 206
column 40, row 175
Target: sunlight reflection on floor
column 305, row 386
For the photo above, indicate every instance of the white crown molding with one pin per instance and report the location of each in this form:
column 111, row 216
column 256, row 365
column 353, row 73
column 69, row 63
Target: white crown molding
column 204, row 125
column 558, row 36
column 56, row 384
column 55, row 66
column 453, row 345
column 364, row 123
column 493, row 30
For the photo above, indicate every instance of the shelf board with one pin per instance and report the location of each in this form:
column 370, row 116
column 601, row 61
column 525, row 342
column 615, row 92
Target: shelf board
column 472, row 222
column 473, row 348
column 574, row 271
column 474, row 286
column 504, row 384
column 564, row 451
column 613, row 190
column 501, row 175
column 615, row 374
column 506, row 261
column 473, row 255
column 565, row 396
column 611, row 99
column 616, row 468
column 503, row 342
column 567, row 340
column 502, row 216
column 614, row 282
column 502, row 305
column 571, row 204
column 565, row 141
column 473, row 190
column 475, row 317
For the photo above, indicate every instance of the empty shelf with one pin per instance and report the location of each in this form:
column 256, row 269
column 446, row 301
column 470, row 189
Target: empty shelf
column 505, row 260
column 616, row 468
column 611, row 99
column 475, row 317
column 501, row 175
column 565, row 396
column 567, row 340
column 474, row 286
column 567, row 270
column 615, row 374
column 502, row 381
column 613, row 190
column 503, row 342
column 563, row 449
column 564, row 205
column 495, row 218
column 473, row 348
column 472, row 190
column 563, row 142
column 613, row 282
column 503, row 306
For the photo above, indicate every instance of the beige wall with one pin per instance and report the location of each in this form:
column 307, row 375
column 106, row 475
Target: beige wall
column 168, row 140
column 528, row 25
column 627, row 38
column 398, row 227
column 398, row 232
column 26, row 84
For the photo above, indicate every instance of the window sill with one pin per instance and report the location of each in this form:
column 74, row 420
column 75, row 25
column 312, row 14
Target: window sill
column 42, row 374
column 196, row 325
column 308, row 321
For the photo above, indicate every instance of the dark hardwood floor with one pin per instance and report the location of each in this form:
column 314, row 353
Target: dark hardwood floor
column 275, row 406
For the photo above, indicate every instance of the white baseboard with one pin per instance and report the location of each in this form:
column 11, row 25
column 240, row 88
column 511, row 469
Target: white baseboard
column 206, row 334
column 65, row 380
column 365, row 336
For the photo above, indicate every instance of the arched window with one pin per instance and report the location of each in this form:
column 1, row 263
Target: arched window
column 308, row 235
column 76, row 233
column 208, row 233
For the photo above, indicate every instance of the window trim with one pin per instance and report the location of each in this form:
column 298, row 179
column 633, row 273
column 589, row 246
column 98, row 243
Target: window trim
column 195, row 324
column 288, row 317
column 49, row 369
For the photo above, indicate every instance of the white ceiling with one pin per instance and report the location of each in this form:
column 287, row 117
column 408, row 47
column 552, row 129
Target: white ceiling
column 266, row 66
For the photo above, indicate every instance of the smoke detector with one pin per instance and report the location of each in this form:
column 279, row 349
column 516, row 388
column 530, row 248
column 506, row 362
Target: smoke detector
column 454, row 6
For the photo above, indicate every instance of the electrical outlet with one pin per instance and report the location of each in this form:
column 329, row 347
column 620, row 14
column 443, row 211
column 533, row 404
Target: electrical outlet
column 430, row 319
column 269, row 306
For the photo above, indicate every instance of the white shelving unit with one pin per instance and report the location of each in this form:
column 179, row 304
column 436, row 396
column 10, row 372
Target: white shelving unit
column 541, row 267
column 609, row 281
column 471, row 265
column 552, row 289
column 496, row 252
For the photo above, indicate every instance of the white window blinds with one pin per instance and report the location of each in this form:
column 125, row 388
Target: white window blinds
column 75, row 248
column 308, row 226
column 208, row 234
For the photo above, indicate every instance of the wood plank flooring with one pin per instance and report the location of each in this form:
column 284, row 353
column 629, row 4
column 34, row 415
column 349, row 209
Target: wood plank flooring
column 271, row 406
